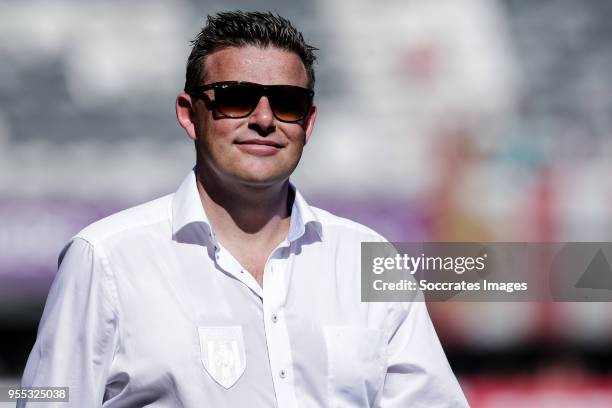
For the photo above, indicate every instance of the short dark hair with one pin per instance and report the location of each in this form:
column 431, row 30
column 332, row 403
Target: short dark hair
column 239, row 29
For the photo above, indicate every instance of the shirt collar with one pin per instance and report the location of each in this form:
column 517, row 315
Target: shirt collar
column 302, row 217
column 189, row 220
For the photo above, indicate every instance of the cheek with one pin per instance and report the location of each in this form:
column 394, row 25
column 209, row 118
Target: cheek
column 216, row 135
column 297, row 140
column 294, row 132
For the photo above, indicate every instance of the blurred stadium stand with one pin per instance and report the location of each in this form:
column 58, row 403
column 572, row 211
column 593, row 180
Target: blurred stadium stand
column 477, row 120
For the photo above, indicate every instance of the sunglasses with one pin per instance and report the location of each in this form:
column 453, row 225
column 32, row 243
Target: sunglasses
column 236, row 99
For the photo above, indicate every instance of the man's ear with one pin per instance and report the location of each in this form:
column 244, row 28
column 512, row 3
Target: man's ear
column 185, row 114
column 310, row 120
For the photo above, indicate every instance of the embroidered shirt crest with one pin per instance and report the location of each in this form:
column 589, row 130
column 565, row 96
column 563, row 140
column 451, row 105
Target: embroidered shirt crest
column 222, row 353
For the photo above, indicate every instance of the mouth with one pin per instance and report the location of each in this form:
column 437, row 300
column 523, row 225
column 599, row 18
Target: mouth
column 259, row 147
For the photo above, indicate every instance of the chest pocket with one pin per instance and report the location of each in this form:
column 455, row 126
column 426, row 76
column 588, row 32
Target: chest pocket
column 356, row 365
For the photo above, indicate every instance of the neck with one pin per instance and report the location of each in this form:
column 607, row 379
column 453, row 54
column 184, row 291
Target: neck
column 245, row 210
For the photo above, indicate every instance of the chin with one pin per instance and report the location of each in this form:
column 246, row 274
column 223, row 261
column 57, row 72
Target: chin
column 264, row 175
column 261, row 180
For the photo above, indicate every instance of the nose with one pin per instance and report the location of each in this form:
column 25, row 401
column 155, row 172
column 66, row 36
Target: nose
column 262, row 118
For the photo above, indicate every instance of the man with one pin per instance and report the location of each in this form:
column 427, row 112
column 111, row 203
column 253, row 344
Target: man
column 234, row 292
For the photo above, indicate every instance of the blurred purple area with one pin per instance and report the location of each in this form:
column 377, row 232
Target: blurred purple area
column 33, row 234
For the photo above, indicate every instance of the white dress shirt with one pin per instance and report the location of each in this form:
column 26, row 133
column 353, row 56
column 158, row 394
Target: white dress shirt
column 148, row 309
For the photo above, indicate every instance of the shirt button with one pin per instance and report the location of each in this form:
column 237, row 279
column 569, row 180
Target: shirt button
column 274, row 318
column 282, row 374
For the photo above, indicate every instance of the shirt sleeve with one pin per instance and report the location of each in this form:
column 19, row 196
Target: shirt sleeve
column 77, row 335
column 418, row 374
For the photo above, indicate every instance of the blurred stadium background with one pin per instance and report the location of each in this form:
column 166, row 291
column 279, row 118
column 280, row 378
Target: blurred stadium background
column 471, row 120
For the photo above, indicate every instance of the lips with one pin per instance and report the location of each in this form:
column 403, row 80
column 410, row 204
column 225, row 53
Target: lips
column 259, row 147
column 260, row 142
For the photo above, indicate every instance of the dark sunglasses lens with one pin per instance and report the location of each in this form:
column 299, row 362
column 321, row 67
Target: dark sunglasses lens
column 290, row 104
column 237, row 100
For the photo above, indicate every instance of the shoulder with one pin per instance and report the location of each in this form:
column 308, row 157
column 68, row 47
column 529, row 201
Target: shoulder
column 134, row 220
column 345, row 228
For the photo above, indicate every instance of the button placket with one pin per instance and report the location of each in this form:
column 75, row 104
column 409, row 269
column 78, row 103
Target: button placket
column 279, row 347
